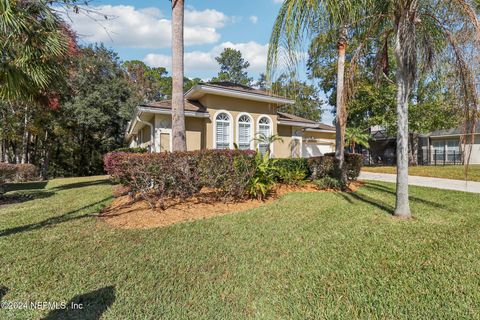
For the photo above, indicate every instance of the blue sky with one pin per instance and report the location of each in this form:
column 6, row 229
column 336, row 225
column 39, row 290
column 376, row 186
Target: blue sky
column 141, row 30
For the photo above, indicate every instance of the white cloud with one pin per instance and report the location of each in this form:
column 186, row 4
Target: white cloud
column 253, row 52
column 146, row 28
column 278, row 1
column 254, row 19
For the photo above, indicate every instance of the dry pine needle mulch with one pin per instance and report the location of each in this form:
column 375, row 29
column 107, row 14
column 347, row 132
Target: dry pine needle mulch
column 125, row 214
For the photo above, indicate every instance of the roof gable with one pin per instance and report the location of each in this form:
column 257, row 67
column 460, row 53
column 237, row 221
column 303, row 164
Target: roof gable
column 234, row 90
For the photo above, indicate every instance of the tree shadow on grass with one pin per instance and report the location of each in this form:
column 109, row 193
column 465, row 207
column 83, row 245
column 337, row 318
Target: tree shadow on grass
column 382, row 188
column 40, row 185
column 75, row 185
column 20, row 197
column 379, row 203
column 368, row 200
column 88, row 306
column 69, row 216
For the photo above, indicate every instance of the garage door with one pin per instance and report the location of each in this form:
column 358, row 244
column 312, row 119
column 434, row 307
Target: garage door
column 315, row 150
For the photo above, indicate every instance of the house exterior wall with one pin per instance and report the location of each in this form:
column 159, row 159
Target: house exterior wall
column 234, row 107
column 472, row 149
column 284, row 149
column 200, row 132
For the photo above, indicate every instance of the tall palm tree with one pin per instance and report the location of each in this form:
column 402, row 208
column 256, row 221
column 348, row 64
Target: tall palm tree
column 298, row 18
column 424, row 30
column 421, row 30
column 178, row 106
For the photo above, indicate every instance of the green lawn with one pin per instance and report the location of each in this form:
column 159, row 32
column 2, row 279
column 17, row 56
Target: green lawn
column 448, row 172
column 305, row 256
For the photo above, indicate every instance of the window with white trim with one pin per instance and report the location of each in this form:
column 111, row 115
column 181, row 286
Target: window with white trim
column 244, row 132
column 264, row 131
column 222, row 131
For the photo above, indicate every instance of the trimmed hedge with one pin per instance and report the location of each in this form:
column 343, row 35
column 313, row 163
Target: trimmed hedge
column 7, row 173
column 156, row 176
column 291, row 170
column 132, row 150
column 26, row 172
column 327, row 166
column 18, row 172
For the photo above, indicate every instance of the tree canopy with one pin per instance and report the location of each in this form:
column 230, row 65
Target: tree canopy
column 233, row 67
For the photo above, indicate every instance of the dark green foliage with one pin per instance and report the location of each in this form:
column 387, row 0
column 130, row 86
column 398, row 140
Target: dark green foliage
column 292, row 170
column 93, row 119
column 232, row 68
column 228, row 171
column 328, row 183
column 354, row 163
column 327, row 165
column 34, row 41
column 307, row 100
column 263, row 179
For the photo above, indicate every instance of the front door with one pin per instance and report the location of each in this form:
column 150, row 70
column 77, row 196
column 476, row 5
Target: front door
column 165, row 140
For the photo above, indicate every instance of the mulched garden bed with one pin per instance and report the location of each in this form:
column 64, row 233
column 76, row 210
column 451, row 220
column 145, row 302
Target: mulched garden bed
column 126, row 214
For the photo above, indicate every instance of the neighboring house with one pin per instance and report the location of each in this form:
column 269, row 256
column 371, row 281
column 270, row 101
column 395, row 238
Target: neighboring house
column 446, row 145
column 222, row 115
column 435, row 148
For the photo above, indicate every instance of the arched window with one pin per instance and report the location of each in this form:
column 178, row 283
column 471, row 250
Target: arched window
column 244, row 133
column 264, row 132
column 223, row 137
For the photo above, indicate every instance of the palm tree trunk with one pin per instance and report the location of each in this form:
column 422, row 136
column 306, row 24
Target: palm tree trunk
column 404, row 43
column 178, row 106
column 341, row 110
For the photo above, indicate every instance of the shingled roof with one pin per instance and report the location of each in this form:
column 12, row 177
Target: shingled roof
column 239, row 87
column 190, row 105
column 454, row 131
column 283, row 116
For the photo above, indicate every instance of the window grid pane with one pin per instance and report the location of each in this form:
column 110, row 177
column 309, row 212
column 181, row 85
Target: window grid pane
column 222, row 131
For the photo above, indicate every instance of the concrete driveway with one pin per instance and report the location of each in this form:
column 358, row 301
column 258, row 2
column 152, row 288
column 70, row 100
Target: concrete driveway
column 439, row 183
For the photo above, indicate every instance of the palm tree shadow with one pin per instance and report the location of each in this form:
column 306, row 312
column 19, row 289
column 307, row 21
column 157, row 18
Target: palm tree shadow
column 382, row 188
column 88, row 306
column 368, row 200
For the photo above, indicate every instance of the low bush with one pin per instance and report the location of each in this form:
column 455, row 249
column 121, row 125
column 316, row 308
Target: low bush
column 354, row 163
column 227, row 171
column 156, row 176
column 292, row 171
column 26, row 172
column 263, row 179
column 328, row 183
column 327, row 166
column 7, row 173
column 321, row 167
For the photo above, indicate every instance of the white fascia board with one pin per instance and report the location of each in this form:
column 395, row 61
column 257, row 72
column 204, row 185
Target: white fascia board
column 319, row 130
column 199, row 90
column 298, row 124
column 192, row 114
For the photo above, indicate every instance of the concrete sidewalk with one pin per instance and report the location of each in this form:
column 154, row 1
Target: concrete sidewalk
column 439, row 183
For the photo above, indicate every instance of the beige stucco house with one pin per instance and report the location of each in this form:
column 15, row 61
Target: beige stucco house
column 219, row 115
